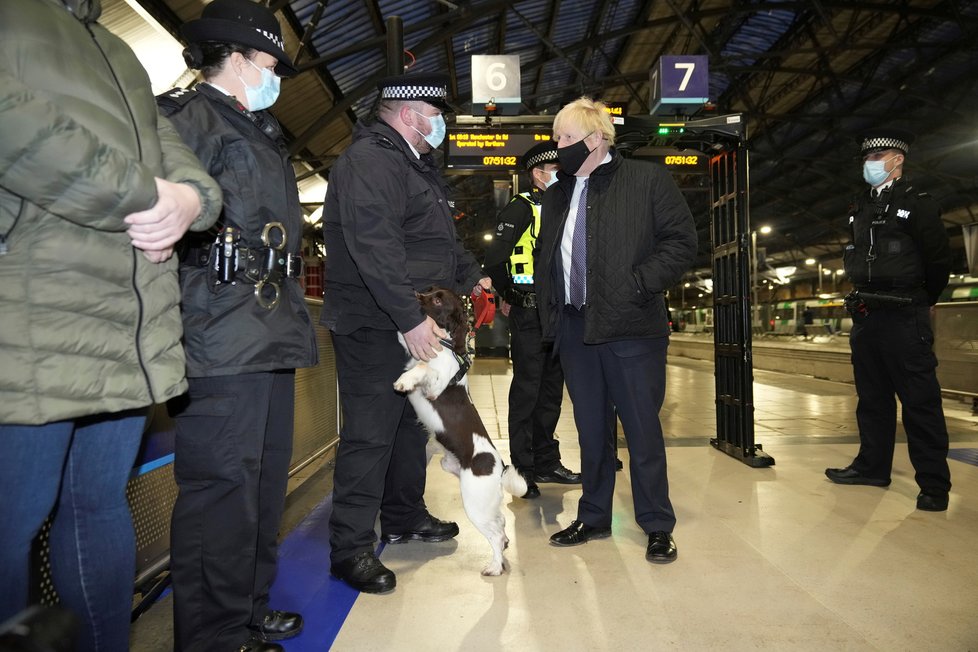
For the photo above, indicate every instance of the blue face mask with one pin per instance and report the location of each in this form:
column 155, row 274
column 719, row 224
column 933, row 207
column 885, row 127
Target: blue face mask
column 874, row 172
column 438, row 129
column 552, row 181
column 264, row 95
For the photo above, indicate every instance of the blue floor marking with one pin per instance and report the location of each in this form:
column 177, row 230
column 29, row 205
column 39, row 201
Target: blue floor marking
column 966, row 455
column 303, row 583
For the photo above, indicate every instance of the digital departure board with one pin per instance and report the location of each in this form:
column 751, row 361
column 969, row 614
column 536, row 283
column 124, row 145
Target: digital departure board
column 490, row 149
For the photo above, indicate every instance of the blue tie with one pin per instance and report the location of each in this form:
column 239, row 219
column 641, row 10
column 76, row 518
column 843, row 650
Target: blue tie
column 578, row 281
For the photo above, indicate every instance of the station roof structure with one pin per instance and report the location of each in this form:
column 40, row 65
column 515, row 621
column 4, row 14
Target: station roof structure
column 807, row 75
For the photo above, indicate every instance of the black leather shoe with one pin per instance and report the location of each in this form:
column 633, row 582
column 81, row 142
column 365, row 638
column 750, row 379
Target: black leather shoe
column 532, row 490
column 364, row 572
column 932, row 501
column 559, row 475
column 579, row 533
column 850, row 475
column 278, row 625
column 430, row 530
column 256, row 644
column 662, row 549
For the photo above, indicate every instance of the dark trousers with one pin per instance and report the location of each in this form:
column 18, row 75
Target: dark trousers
column 892, row 354
column 233, row 449
column 535, row 395
column 381, row 460
column 629, row 375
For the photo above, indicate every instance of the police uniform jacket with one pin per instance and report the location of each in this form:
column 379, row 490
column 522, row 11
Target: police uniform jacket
column 227, row 331
column 514, row 220
column 88, row 324
column 641, row 239
column 389, row 231
column 898, row 244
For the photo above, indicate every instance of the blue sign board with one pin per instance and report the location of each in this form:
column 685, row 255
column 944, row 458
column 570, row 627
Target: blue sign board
column 679, row 84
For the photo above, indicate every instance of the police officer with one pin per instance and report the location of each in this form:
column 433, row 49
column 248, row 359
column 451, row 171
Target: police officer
column 898, row 262
column 537, row 388
column 389, row 233
column 246, row 331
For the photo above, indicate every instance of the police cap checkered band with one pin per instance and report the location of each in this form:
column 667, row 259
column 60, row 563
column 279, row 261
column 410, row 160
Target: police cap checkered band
column 243, row 22
column 426, row 87
column 543, row 152
column 878, row 140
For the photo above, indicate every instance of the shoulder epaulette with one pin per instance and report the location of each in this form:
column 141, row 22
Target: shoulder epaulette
column 385, row 142
column 177, row 98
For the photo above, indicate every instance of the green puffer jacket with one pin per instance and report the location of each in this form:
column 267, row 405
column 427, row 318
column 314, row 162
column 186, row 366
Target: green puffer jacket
column 88, row 325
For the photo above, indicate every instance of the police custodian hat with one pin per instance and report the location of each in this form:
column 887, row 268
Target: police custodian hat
column 430, row 87
column 243, row 22
column 883, row 138
column 544, row 152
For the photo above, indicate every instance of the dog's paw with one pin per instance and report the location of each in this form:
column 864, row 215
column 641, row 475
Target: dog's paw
column 405, row 383
column 494, row 568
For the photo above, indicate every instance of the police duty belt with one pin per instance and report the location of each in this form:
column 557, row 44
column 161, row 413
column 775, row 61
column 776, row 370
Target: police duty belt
column 265, row 267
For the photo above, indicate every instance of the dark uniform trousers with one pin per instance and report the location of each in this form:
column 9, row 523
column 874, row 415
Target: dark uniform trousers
column 892, row 354
column 381, row 459
column 234, row 447
column 535, row 395
column 629, row 375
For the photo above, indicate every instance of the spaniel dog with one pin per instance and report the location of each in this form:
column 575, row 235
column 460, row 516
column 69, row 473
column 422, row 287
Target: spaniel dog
column 438, row 391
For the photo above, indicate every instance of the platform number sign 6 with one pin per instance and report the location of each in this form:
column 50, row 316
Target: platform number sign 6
column 496, row 78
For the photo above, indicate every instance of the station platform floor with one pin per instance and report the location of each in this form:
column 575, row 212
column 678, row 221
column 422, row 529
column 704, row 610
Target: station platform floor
column 775, row 558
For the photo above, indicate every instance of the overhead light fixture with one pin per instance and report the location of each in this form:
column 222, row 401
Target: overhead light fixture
column 487, row 237
column 765, row 229
column 810, row 261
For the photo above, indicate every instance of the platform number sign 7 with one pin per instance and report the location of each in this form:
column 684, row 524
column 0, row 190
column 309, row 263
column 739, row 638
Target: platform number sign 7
column 679, row 82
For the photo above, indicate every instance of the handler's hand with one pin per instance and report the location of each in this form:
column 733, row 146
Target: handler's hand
column 485, row 283
column 422, row 340
column 160, row 227
column 504, row 307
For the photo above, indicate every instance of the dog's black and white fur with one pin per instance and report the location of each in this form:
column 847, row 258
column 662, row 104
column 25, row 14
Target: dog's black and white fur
column 447, row 412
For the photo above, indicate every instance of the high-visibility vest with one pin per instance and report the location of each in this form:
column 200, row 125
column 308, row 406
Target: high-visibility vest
column 521, row 259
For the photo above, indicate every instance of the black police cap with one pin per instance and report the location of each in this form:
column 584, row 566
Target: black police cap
column 243, row 22
column 430, row 87
column 880, row 139
column 543, row 152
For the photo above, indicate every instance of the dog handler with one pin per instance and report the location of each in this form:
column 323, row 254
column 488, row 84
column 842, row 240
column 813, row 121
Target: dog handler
column 389, row 233
column 247, row 330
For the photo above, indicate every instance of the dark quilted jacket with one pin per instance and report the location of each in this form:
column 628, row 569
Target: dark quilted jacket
column 641, row 239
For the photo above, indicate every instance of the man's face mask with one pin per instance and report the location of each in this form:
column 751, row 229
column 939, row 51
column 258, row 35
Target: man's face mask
column 874, row 172
column 438, row 129
column 264, row 95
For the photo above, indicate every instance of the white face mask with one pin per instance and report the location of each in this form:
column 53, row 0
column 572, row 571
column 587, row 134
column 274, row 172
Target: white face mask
column 874, row 172
column 551, row 181
column 438, row 129
column 265, row 93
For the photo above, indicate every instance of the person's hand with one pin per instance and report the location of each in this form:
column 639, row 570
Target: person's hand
column 160, row 227
column 158, row 256
column 504, row 308
column 485, row 283
column 422, row 340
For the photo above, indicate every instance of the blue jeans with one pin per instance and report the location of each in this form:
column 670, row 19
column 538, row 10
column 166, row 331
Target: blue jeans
column 80, row 469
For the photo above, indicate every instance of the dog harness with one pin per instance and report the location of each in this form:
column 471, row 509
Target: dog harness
column 464, row 362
